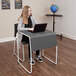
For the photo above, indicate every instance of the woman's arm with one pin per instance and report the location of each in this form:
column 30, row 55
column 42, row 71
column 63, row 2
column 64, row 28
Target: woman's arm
column 33, row 21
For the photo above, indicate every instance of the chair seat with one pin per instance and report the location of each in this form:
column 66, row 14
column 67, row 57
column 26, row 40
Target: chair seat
column 24, row 42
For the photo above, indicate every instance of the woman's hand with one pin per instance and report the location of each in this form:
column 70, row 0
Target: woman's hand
column 31, row 29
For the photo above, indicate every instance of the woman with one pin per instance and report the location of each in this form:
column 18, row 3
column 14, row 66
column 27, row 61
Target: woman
column 27, row 22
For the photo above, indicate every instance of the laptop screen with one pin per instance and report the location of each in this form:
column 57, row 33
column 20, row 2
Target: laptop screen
column 40, row 27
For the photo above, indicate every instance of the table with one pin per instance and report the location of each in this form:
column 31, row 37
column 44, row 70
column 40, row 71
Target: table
column 39, row 41
column 54, row 15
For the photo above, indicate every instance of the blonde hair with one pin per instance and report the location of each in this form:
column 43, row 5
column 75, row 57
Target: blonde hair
column 24, row 14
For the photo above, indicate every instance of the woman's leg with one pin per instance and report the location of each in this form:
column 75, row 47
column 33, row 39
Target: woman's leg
column 33, row 62
column 38, row 58
column 26, row 39
column 37, row 52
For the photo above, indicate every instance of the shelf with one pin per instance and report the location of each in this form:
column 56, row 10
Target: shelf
column 56, row 15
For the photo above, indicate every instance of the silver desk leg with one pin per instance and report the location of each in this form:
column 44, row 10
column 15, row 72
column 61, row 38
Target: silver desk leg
column 50, row 59
column 30, row 61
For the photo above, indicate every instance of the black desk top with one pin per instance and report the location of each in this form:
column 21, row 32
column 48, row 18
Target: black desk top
column 41, row 40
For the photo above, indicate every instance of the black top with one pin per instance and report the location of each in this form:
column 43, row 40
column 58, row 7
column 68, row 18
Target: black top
column 29, row 25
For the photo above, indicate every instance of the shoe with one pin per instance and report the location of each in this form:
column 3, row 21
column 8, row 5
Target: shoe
column 38, row 58
column 33, row 61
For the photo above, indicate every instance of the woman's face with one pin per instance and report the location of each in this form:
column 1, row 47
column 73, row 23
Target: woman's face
column 29, row 11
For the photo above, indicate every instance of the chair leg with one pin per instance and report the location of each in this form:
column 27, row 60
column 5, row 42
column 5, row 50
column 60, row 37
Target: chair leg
column 23, row 53
column 14, row 48
column 50, row 59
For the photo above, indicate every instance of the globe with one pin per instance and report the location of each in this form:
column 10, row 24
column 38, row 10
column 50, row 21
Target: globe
column 54, row 8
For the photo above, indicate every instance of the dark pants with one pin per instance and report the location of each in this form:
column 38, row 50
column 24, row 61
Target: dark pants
column 26, row 39
column 37, row 51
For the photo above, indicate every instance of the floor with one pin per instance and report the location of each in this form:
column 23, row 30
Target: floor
column 66, row 61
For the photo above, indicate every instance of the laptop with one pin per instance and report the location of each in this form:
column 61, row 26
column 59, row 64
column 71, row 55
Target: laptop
column 39, row 28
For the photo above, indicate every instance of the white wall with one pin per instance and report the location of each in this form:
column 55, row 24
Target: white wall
column 10, row 16
column 67, row 24
column 7, row 20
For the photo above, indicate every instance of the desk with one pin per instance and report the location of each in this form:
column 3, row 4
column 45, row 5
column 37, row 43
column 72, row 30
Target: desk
column 39, row 41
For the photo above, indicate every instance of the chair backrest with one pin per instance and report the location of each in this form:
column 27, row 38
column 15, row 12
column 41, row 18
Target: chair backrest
column 15, row 29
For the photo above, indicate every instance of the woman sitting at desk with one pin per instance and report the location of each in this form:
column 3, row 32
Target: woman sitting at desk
column 27, row 22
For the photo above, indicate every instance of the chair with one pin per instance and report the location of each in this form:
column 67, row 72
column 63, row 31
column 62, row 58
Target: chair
column 23, row 43
column 14, row 51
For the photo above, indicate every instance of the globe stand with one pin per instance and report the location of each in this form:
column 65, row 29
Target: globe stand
column 55, row 15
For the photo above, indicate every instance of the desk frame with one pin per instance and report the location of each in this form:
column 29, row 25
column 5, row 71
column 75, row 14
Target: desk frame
column 15, row 50
column 31, row 55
